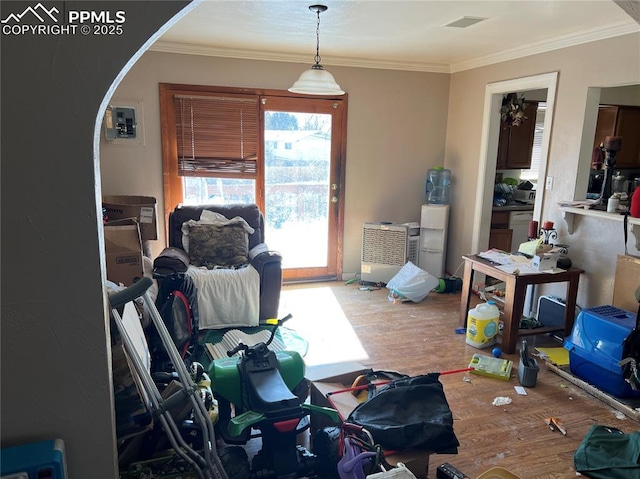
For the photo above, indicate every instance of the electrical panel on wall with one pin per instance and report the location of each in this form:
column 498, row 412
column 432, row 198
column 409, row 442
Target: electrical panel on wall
column 120, row 122
column 123, row 123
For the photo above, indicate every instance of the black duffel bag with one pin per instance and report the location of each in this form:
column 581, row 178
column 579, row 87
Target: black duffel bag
column 408, row 413
column 170, row 261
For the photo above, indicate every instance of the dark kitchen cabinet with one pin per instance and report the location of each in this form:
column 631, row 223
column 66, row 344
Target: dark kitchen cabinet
column 516, row 142
column 500, row 235
column 500, row 239
column 624, row 121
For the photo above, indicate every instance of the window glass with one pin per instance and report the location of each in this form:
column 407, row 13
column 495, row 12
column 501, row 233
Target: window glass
column 220, row 191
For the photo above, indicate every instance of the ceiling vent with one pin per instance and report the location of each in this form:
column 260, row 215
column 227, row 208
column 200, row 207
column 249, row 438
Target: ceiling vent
column 464, row 22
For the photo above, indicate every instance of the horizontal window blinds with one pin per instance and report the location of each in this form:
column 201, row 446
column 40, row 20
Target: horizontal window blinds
column 217, row 135
column 536, row 153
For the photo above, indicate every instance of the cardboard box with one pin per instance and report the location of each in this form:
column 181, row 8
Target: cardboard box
column 336, row 376
column 336, row 372
column 626, row 281
column 544, row 261
column 141, row 208
column 340, row 376
column 123, row 252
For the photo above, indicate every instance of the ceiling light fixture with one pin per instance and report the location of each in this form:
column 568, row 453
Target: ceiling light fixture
column 317, row 80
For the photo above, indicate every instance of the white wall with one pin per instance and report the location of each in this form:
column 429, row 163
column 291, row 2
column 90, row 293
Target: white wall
column 55, row 354
column 595, row 243
column 396, row 131
column 623, row 95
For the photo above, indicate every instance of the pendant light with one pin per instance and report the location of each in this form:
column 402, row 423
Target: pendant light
column 317, row 80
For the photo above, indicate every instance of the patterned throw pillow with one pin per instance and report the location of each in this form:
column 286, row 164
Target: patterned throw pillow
column 214, row 246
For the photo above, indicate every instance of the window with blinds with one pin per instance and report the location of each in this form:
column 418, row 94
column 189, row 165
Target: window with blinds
column 217, row 135
column 536, row 154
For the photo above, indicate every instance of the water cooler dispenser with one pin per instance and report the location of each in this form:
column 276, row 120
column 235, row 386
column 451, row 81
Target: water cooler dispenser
column 434, row 222
column 432, row 254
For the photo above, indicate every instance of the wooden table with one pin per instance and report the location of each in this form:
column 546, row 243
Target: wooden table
column 515, row 290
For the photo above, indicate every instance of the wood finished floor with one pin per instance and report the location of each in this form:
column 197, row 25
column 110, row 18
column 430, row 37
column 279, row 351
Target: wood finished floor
column 419, row 338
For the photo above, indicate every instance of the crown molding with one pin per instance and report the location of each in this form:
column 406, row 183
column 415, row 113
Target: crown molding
column 569, row 40
column 245, row 54
column 557, row 43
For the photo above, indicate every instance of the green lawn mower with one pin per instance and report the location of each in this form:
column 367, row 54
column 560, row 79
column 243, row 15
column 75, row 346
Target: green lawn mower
column 261, row 393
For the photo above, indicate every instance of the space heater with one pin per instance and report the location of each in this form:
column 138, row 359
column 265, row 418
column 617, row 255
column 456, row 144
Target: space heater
column 386, row 248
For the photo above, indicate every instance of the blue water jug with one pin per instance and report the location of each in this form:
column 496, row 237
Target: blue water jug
column 437, row 186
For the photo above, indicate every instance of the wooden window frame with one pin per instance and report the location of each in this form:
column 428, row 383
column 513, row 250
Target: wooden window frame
column 172, row 182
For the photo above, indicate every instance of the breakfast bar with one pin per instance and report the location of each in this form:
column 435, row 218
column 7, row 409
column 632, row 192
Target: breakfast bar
column 515, row 290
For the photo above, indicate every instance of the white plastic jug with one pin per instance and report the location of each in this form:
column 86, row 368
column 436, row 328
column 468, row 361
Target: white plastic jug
column 483, row 323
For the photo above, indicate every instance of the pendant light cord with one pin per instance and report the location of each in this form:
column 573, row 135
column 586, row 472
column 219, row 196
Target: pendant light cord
column 317, row 57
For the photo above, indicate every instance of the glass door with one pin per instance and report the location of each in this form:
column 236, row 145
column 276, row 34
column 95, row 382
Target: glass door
column 303, row 184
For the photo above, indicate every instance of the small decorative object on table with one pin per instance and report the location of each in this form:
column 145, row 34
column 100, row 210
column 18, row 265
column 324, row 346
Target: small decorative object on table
column 532, row 234
column 547, row 232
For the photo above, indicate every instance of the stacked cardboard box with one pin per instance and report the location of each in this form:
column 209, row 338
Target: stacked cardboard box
column 142, row 209
column 123, row 252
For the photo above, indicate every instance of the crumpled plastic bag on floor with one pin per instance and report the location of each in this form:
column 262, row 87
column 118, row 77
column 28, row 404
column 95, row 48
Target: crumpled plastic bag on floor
column 411, row 284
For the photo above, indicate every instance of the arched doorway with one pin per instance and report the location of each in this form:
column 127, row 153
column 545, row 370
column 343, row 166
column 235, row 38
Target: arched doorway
column 56, row 362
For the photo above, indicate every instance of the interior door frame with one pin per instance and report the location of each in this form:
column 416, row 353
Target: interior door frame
column 489, row 149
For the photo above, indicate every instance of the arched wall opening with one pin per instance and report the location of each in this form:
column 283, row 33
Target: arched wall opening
column 55, row 345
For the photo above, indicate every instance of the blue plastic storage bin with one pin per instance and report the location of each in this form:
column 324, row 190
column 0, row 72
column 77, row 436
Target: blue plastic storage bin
column 36, row 460
column 595, row 348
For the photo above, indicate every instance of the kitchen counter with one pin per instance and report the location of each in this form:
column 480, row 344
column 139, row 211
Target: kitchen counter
column 513, row 207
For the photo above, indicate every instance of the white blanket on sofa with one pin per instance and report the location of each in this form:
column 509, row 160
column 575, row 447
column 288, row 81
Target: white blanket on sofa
column 227, row 298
